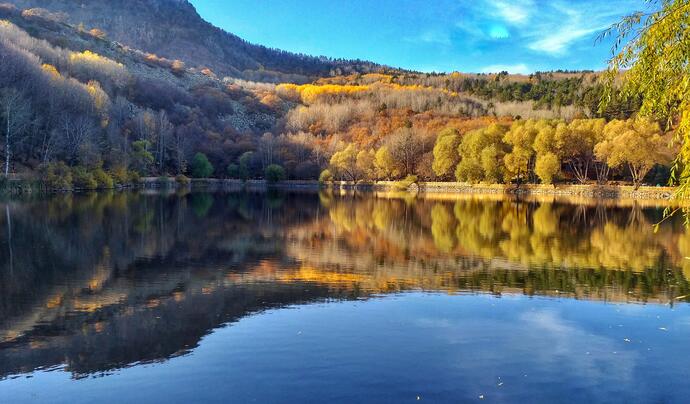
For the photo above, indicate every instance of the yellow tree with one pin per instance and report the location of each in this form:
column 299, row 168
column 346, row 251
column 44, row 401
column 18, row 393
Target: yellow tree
column 446, row 155
column 365, row 164
column 577, row 147
column 384, row 164
column 521, row 137
column 636, row 144
column 344, row 163
column 654, row 66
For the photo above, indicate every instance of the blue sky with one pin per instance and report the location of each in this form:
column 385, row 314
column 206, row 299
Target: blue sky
column 520, row 36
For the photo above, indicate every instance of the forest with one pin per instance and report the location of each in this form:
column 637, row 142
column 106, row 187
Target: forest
column 81, row 111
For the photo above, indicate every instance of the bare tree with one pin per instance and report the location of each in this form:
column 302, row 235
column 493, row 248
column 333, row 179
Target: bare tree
column 164, row 129
column 16, row 113
column 407, row 147
column 267, row 145
column 76, row 134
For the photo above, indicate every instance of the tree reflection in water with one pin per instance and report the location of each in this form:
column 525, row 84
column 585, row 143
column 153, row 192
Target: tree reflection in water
column 101, row 281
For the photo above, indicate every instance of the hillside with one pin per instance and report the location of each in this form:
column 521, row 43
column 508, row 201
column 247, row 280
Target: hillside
column 86, row 101
column 174, row 30
column 80, row 110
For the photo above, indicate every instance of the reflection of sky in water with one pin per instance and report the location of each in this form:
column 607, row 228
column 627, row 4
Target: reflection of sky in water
column 437, row 347
column 291, row 297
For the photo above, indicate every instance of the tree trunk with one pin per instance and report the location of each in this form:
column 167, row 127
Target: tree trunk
column 7, row 145
column 9, row 238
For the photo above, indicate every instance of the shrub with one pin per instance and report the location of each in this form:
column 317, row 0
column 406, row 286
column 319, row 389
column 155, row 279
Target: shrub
column 103, row 179
column 201, row 167
column 404, row 184
column 326, row 176
column 83, row 179
column 182, row 179
column 120, row 176
column 233, row 171
column 274, row 173
column 57, row 176
column 134, row 177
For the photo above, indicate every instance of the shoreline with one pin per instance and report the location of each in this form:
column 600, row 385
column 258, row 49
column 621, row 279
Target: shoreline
column 587, row 191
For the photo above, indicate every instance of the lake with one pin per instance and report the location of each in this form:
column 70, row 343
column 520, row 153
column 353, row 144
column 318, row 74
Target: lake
column 321, row 297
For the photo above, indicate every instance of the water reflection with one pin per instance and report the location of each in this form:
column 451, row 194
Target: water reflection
column 104, row 281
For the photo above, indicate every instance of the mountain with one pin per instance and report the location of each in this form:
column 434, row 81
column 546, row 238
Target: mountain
column 174, row 30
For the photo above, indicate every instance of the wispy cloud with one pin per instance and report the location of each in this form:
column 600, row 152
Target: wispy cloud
column 514, row 11
column 550, row 28
column 437, row 37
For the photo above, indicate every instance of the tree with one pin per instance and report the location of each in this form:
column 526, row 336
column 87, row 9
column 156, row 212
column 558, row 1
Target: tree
column 446, row 155
column 233, row 170
column 654, row 66
column 406, row 147
column 577, row 147
column 201, row 167
column 141, row 157
column 637, row 144
column 246, row 162
column 344, row 163
column 16, row 114
column 481, row 154
column 365, row 164
column 546, row 167
column 274, row 173
column 384, row 164
column 521, row 137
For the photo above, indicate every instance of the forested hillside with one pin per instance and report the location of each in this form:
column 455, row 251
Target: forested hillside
column 174, row 30
column 79, row 110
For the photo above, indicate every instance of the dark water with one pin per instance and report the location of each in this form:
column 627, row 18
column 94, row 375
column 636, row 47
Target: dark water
column 144, row 297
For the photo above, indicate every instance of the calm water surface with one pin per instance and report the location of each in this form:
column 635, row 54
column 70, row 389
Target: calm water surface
column 305, row 297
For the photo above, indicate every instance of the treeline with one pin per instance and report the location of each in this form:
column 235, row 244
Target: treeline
column 527, row 151
column 80, row 115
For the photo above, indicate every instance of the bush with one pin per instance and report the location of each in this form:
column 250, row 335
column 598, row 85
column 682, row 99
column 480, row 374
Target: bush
column 120, row 176
column 83, row 179
column 103, row 179
column 133, row 177
column 57, row 176
column 326, row 176
column 201, row 167
column 404, row 184
column 274, row 173
column 233, row 171
column 182, row 179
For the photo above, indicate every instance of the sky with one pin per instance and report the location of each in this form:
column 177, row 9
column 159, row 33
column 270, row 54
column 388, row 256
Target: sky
column 519, row 36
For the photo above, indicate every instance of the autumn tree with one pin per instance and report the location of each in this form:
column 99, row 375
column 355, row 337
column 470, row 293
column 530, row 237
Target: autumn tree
column 365, row 164
column 653, row 63
column 406, row 147
column 446, row 155
column 520, row 138
column 577, row 148
column 636, row 144
column 384, row 164
column 548, row 149
column 344, row 163
column 481, row 154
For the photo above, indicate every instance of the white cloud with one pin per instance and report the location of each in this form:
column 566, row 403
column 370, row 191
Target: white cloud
column 520, row 68
column 558, row 42
column 561, row 25
column 514, row 12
